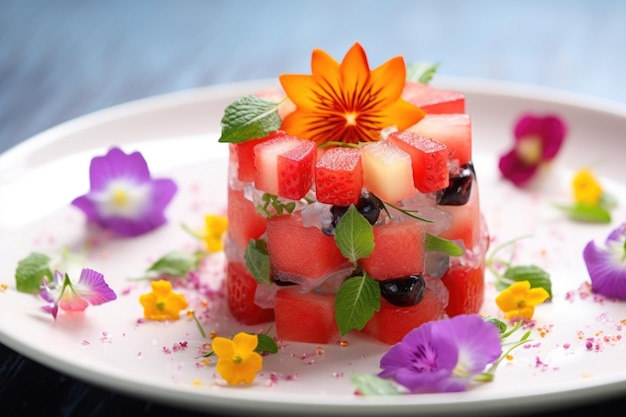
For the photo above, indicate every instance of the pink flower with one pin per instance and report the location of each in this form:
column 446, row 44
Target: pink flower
column 538, row 140
column 607, row 264
column 91, row 288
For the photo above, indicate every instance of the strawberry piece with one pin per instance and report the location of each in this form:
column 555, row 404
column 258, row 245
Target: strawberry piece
column 429, row 159
column 339, row 176
column 284, row 166
column 240, row 291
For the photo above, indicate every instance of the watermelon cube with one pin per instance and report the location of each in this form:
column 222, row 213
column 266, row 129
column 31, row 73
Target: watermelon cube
column 453, row 130
column 240, row 292
column 306, row 317
column 298, row 253
column 387, row 171
column 433, row 100
column 465, row 221
column 466, row 286
column 429, row 159
column 244, row 223
column 284, row 166
column 339, row 176
column 391, row 323
column 398, row 250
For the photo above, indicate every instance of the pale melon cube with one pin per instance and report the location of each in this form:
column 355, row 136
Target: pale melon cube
column 387, row 171
column 453, row 130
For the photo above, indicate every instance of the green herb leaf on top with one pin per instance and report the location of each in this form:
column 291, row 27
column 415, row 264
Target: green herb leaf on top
column 354, row 235
column 421, row 72
column 30, row 272
column 249, row 118
column 356, row 302
column 258, row 261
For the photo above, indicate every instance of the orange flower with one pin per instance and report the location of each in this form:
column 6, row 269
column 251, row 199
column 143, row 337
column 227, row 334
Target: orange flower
column 347, row 102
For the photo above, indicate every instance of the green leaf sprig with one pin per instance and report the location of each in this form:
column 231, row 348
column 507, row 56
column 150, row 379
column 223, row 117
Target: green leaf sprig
column 258, row 261
column 31, row 271
column 421, row 72
column 174, row 264
column 536, row 276
column 249, row 118
column 266, row 344
column 279, row 207
column 586, row 213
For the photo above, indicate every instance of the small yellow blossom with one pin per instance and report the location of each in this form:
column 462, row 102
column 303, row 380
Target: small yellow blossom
column 162, row 303
column 215, row 227
column 518, row 301
column 586, row 187
column 237, row 361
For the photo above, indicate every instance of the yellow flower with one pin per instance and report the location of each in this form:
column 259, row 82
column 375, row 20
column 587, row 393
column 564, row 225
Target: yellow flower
column 162, row 303
column 215, row 228
column 518, row 301
column 586, row 187
column 237, row 361
column 347, row 102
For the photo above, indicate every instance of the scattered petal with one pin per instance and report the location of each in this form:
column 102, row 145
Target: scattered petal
column 607, row 265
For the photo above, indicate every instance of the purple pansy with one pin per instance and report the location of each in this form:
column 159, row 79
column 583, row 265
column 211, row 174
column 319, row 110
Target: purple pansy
column 91, row 288
column 538, row 140
column 607, row 265
column 123, row 197
column 444, row 355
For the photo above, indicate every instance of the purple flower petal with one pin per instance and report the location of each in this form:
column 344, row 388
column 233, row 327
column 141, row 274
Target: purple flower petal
column 123, row 198
column 92, row 287
column 442, row 356
column 515, row 170
column 607, row 265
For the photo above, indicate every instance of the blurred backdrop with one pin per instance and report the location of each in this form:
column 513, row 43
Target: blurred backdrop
column 65, row 58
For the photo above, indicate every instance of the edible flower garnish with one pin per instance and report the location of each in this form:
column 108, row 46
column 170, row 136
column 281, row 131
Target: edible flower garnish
column 238, row 362
column 592, row 203
column 162, row 303
column 442, row 356
column 607, row 265
column 347, row 103
column 519, row 300
column 215, row 227
column 123, row 197
column 60, row 292
column 507, row 274
column 537, row 141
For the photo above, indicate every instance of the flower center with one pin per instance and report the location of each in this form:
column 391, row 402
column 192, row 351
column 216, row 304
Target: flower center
column 351, row 119
column 160, row 306
column 237, row 359
column 521, row 303
column 529, row 150
column 119, row 197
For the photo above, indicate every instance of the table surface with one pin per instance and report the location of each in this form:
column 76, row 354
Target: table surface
column 64, row 59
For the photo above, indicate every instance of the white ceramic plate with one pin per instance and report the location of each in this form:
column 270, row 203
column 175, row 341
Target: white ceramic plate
column 178, row 136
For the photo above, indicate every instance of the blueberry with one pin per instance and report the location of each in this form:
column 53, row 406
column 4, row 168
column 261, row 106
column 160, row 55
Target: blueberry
column 405, row 291
column 460, row 188
column 368, row 205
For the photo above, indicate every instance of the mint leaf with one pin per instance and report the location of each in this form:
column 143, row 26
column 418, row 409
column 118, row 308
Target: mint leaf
column 176, row 264
column 438, row 244
column 249, row 118
column 354, row 235
column 374, row 385
column 357, row 300
column 531, row 273
column 30, row 272
column 258, row 261
column 266, row 344
column 421, row 72
column 279, row 205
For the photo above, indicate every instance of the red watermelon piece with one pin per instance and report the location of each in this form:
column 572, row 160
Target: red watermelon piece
column 398, row 251
column 453, row 130
column 429, row 159
column 466, row 285
column 240, row 292
column 391, row 323
column 433, row 100
column 305, row 317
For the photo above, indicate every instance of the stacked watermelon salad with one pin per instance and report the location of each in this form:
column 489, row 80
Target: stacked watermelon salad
column 375, row 237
